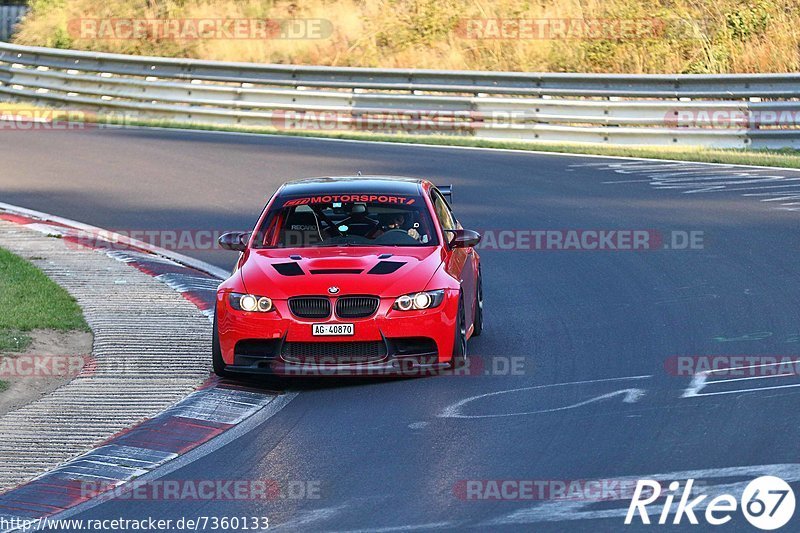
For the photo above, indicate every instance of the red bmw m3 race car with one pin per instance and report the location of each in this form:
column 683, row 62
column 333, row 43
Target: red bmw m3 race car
column 350, row 276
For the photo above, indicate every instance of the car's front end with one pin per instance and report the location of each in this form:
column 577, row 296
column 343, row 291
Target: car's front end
column 312, row 297
column 359, row 330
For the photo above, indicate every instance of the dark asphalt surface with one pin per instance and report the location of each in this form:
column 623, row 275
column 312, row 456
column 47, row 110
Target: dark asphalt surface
column 381, row 453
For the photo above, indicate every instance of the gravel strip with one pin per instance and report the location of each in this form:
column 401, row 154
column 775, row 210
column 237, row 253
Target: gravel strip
column 151, row 349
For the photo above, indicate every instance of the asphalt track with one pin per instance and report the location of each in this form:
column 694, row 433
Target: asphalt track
column 594, row 330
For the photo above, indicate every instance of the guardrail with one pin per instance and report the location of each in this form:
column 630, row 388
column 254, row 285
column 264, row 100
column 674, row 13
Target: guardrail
column 731, row 111
column 9, row 16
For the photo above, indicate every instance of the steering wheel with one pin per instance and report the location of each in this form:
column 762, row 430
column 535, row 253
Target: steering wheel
column 396, row 232
column 375, row 228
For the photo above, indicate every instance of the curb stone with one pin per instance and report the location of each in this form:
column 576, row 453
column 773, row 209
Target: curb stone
column 147, row 399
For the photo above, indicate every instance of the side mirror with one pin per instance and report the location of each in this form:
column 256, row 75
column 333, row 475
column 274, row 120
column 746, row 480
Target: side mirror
column 464, row 238
column 234, row 240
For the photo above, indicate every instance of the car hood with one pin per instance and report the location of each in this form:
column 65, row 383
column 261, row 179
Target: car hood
column 283, row 273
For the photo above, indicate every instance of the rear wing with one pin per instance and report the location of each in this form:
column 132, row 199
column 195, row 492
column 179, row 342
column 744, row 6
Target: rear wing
column 447, row 192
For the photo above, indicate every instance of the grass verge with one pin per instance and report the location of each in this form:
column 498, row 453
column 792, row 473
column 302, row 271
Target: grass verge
column 30, row 300
column 12, row 340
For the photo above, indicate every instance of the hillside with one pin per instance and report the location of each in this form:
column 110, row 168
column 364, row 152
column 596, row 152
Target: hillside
column 673, row 36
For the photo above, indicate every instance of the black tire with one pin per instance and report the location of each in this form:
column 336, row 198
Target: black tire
column 477, row 324
column 459, row 358
column 217, row 363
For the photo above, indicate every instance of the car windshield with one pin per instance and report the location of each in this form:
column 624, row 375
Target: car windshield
column 347, row 220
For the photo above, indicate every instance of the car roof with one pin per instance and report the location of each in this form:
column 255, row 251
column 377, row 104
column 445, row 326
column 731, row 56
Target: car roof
column 355, row 184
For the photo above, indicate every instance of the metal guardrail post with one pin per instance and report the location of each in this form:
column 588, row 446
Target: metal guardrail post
column 10, row 15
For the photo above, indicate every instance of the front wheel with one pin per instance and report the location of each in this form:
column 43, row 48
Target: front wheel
column 460, row 342
column 217, row 362
column 477, row 324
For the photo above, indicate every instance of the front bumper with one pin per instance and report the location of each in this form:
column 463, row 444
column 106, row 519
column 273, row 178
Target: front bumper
column 390, row 368
column 390, row 342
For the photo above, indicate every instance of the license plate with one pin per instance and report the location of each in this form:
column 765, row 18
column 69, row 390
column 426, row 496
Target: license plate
column 331, row 329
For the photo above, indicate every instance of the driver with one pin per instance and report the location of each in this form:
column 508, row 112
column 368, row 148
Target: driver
column 397, row 221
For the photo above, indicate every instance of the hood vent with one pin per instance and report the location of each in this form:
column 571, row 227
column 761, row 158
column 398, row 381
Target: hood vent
column 337, row 271
column 288, row 269
column 386, row 267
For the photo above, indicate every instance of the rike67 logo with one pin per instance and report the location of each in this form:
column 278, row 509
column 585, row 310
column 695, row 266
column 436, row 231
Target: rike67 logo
column 767, row 503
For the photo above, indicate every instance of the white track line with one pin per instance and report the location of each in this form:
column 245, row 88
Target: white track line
column 701, row 381
column 630, row 396
column 448, row 147
column 94, row 230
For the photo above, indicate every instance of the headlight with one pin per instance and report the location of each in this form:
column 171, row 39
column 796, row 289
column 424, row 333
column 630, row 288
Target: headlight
column 422, row 300
column 419, row 300
column 404, row 303
column 250, row 302
column 264, row 304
